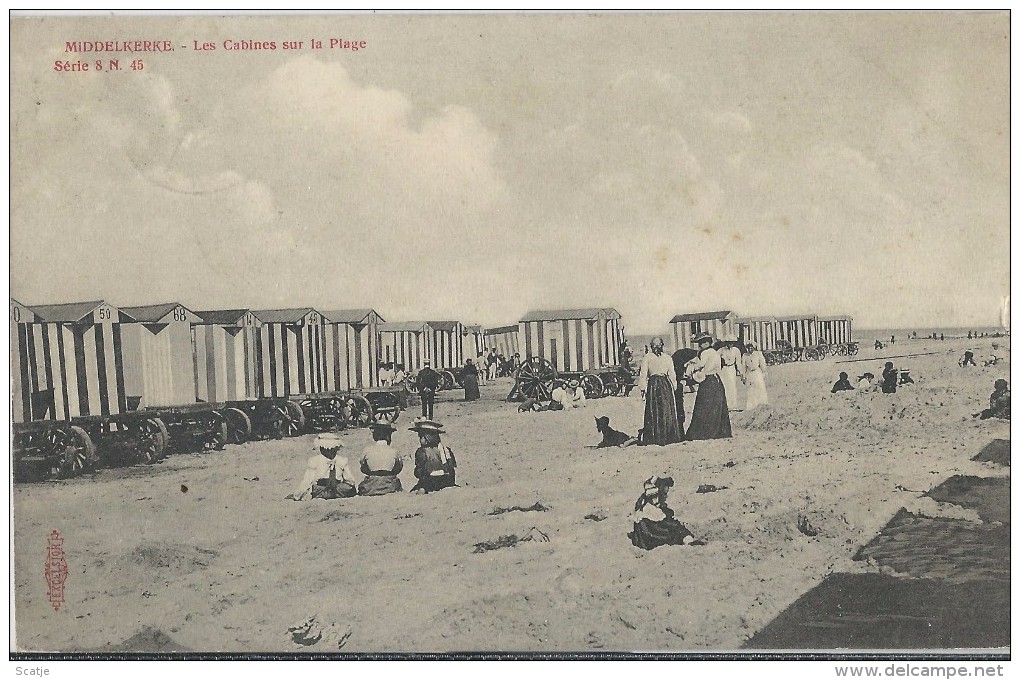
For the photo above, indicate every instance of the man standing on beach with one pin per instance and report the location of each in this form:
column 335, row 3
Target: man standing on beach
column 428, row 384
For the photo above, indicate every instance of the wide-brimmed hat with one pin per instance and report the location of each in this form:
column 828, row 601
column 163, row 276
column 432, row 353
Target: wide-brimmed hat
column 328, row 440
column 424, row 425
column 573, row 383
column 701, row 337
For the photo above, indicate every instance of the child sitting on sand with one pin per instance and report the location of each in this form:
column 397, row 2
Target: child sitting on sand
column 998, row 403
column 654, row 523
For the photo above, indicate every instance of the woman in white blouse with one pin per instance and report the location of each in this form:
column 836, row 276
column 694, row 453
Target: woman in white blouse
column 657, row 382
column 754, row 377
column 710, row 418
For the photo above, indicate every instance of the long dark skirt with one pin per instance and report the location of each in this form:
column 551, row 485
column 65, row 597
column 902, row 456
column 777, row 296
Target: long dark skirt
column 710, row 418
column 650, row 534
column 471, row 387
column 379, row 485
column 661, row 425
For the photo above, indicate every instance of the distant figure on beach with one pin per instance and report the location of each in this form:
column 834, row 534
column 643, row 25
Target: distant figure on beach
column 492, row 363
column 399, row 375
column 710, row 418
column 892, row 339
column 577, row 396
column 470, row 377
column 864, row 381
column 385, row 375
column 729, row 355
column 843, row 384
column 905, row 378
column 480, row 369
column 754, row 377
column 428, row 384
column 968, row 335
column 655, row 523
column 657, row 382
column 967, row 360
column 991, row 361
column 942, row 337
column 878, row 344
column 998, row 403
column 435, row 468
column 326, row 476
column 889, row 378
column 380, row 464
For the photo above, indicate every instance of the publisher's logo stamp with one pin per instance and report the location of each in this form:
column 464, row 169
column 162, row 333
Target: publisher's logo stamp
column 55, row 570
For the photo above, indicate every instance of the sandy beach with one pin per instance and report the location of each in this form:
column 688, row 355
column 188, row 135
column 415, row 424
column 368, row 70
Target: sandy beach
column 202, row 552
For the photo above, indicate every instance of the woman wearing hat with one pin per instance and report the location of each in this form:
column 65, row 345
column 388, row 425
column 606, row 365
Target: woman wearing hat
column 710, row 418
column 326, row 476
column 470, row 377
column 380, row 464
column 657, row 383
column 754, row 377
column 654, row 521
column 435, row 467
column 729, row 355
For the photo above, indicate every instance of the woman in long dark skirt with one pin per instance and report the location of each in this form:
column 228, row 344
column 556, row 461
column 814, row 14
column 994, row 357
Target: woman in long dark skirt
column 657, row 383
column 710, row 418
column 470, row 378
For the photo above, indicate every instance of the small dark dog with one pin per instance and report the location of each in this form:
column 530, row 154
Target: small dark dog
column 611, row 437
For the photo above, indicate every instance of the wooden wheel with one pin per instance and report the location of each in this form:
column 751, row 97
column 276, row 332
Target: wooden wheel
column 612, row 385
column 151, row 439
column 295, row 419
column 385, row 407
column 76, row 449
column 592, row 386
column 359, row 411
column 852, row 348
column 218, row 431
column 449, row 380
column 238, row 425
column 535, row 379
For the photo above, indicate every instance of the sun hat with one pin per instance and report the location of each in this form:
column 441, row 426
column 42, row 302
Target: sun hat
column 328, row 440
column 424, row 425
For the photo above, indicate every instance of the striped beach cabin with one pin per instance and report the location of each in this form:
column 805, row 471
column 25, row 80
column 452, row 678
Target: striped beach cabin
column 686, row 326
column 835, row 330
column 799, row 331
column 158, row 354
column 503, row 339
column 447, row 344
column 352, row 349
column 66, row 361
column 473, row 341
column 761, row 330
column 407, row 342
column 289, row 352
column 572, row 339
column 224, row 351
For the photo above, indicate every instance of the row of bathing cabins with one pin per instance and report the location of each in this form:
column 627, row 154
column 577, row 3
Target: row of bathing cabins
column 92, row 358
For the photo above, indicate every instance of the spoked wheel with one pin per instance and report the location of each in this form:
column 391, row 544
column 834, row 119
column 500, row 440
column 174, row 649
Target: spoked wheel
column 410, row 384
column 852, row 349
column 611, row 385
column 535, row 378
column 592, row 386
column 334, row 415
column 150, row 439
column 359, row 411
column 448, row 382
column 76, row 450
column 238, row 425
column 295, row 423
column 218, row 431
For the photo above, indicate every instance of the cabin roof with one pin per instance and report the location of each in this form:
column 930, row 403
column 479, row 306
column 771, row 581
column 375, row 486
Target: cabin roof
column 403, row 326
column 70, row 312
column 569, row 314
column 282, row 315
column 222, row 316
column 349, row 315
column 152, row 312
column 701, row 316
column 501, row 329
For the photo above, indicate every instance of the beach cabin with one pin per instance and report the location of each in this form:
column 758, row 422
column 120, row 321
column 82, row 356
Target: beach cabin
column 288, row 351
column 66, row 361
column 158, row 354
column 761, row 330
column 352, row 349
column 407, row 342
column 686, row 326
column 503, row 339
column 473, row 341
column 799, row 331
column 447, row 345
column 224, row 366
column 835, row 330
column 572, row 339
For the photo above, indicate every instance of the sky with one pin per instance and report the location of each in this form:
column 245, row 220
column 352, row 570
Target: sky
column 476, row 167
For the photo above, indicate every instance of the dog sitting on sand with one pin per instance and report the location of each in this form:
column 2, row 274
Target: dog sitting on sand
column 611, row 437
